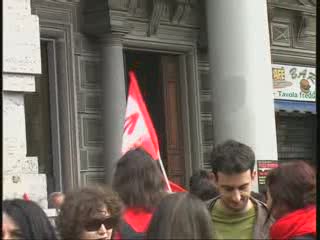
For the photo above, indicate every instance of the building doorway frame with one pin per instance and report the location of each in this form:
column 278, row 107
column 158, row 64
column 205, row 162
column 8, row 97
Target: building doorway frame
column 62, row 87
column 189, row 94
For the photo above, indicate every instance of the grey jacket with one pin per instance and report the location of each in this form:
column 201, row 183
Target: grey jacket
column 261, row 227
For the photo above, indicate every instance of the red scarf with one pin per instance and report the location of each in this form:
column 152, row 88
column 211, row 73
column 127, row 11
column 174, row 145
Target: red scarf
column 298, row 223
column 138, row 219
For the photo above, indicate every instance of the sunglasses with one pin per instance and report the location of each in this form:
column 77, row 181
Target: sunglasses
column 95, row 225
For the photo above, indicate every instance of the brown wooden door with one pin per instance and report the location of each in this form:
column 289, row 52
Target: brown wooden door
column 175, row 162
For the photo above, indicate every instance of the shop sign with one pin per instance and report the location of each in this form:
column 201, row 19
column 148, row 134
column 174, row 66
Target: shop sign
column 264, row 167
column 294, row 82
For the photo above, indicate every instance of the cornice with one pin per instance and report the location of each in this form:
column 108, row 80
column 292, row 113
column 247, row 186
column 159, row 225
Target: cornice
column 150, row 17
column 307, row 6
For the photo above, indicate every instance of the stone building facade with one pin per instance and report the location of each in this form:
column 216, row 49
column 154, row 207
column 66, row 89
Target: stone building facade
column 65, row 85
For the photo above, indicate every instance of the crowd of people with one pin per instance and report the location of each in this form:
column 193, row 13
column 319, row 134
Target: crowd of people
column 219, row 205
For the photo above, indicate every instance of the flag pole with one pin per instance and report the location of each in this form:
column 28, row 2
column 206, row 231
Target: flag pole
column 164, row 174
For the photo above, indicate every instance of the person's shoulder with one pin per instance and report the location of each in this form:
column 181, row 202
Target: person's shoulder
column 210, row 203
column 259, row 203
column 262, row 210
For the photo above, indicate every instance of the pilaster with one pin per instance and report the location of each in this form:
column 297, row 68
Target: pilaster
column 114, row 99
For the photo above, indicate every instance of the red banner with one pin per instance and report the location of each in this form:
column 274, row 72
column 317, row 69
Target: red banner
column 138, row 127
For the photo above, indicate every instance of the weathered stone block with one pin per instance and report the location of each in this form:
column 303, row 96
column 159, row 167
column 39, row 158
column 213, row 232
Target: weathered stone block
column 35, row 185
column 18, row 83
column 30, row 165
column 21, row 44
column 17, row 6
column 14, row 129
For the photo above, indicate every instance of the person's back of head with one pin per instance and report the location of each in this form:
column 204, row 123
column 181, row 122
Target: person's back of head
column 201, row 185
column 27, row 218
column 180, row 216
column 56, row 200
column 232, row 157
column 138, row 180
column 291, row 186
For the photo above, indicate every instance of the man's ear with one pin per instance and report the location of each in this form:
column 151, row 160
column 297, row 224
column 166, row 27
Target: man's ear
column 254, row 175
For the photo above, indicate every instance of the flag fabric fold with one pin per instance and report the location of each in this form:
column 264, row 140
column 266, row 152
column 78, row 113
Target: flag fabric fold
column 138, row 127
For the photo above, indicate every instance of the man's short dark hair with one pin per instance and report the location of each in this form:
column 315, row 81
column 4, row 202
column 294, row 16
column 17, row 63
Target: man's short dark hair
column 232, row 157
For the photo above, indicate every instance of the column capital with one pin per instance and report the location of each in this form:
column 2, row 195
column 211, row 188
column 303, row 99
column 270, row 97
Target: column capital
column 111, row 39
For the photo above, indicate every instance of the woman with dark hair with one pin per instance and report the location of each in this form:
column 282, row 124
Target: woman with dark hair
column 140, row 185
column 25, row 220
column 89, row 213
column 181, row 216
column 291, row 198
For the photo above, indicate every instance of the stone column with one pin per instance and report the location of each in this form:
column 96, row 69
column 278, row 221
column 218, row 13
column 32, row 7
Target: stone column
column 114, row 100
column 240, row 72
column 21, row 61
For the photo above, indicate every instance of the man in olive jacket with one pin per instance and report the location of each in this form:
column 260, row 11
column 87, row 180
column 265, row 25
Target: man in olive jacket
column 235, row 213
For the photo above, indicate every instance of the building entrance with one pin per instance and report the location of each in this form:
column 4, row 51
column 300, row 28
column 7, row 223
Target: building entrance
column 158, row 79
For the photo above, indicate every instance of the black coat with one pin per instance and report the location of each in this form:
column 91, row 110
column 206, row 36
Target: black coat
column 304, row 237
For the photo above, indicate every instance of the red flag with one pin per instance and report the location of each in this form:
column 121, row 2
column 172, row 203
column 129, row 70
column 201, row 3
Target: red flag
column 176, row 187
column 138, row 127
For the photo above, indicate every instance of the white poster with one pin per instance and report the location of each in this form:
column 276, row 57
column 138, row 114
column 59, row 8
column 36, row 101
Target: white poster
column 294, row 82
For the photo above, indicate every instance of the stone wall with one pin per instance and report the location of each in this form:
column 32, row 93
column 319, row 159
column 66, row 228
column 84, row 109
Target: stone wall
column 21, row 61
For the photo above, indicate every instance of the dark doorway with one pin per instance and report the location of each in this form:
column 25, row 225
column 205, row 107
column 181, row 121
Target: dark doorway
column 146, row 66
column 158, row 78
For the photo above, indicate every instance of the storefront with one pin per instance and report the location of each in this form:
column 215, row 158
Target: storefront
column 295, row 95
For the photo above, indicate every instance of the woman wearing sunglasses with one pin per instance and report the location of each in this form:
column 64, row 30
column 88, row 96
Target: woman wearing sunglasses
column 89, row 213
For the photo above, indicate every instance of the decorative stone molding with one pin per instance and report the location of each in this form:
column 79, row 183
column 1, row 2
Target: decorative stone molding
column 118, row 4
column 133, row 4
column 307, row 28
column 280, row 33
column 203, row 35
column 95, row 17
column 114, row 39
column 60, row 34
column 63, row 1
column 308, row 6
column 163, row 19
column 293, row 27
column 157, row 11
column 311, row 3
column 182, row 10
